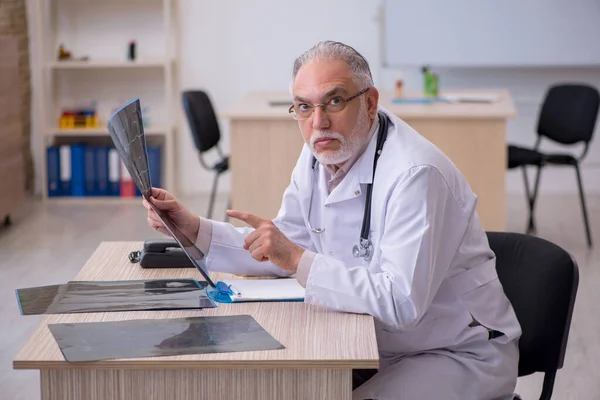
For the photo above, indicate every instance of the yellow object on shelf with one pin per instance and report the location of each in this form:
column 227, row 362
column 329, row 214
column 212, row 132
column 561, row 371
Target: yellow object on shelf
column 71, row 120
column 67, row 122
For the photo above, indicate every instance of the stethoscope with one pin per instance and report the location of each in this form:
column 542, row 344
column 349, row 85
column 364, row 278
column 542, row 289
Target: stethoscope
column 365, row 248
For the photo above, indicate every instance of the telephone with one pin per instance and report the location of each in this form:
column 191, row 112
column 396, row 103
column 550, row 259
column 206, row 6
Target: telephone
column 163, row 253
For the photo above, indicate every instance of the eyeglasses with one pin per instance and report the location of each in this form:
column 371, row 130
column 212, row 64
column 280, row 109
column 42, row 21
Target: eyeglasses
column 334, row 105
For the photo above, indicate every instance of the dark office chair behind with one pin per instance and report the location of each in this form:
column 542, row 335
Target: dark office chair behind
column 540, row 279
column 568, row 116
column 206, row 134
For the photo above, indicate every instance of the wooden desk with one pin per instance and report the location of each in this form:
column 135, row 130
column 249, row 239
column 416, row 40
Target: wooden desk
column 266, row 143
column 322, row 348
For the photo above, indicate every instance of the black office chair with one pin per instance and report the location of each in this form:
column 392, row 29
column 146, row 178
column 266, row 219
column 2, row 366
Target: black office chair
column 540, row 279
column 205, row 132
column 568, row 116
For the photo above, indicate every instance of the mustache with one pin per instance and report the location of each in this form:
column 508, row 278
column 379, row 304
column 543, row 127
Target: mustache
column 319, row 135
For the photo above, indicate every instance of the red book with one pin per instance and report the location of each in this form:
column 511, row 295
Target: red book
column 127, row 185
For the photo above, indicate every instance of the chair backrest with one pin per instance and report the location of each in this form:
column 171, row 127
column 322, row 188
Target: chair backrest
column 569, row 113
column 540, row 279
column 201, row 119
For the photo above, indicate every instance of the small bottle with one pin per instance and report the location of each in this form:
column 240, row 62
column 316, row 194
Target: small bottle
column 427, row 82
column 435, row 86
column 132, row 50
column 399, row 87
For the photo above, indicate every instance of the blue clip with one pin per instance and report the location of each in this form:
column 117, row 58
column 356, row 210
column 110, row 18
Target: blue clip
column 223, row 288
column 221, row 293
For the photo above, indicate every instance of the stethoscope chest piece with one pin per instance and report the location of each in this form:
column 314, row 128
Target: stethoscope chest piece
column 365, row 250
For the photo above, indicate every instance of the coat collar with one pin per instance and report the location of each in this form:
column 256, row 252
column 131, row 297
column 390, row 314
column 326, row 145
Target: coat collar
column 365, row 162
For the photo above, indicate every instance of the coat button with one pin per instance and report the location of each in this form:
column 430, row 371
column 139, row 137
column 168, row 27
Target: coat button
column 326, row 205
column 357, row 192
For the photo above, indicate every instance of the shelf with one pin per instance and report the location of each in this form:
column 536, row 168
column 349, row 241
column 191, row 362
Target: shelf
column 100, row 131
column 95, row 64
column 95, row 200
column 106, row 78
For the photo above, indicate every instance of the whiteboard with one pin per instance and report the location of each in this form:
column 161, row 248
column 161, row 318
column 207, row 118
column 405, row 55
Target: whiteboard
column 491, row 32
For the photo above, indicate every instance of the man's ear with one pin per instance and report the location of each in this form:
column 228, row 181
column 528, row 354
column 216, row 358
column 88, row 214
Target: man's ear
column 372, row 102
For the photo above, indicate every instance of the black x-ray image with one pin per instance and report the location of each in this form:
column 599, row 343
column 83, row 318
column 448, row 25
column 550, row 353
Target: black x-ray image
column 93, row 341
column 108, row 296
column 127, row 133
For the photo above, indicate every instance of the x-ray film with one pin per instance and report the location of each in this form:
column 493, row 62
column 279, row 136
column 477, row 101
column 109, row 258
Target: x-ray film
column 107, row 296
column 127, row 132
column 94, row 341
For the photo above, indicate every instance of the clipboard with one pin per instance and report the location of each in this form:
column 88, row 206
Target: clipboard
column 256, row 290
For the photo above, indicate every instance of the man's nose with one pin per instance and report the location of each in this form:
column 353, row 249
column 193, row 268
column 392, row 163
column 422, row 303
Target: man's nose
column 320, row 119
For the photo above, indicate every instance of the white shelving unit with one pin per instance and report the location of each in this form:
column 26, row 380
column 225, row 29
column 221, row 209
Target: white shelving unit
column 101, row 30
column 59, row 132
column 68, row 64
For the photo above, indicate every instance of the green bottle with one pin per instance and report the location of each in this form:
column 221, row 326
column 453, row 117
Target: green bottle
column 426, row 81
column 434, row 85
column 430, row 82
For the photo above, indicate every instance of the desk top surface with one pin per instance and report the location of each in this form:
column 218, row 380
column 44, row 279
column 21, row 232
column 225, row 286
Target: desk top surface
column 313, row 337
column 256, row 105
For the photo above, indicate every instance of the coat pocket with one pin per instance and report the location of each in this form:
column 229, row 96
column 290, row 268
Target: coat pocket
column 490, row 307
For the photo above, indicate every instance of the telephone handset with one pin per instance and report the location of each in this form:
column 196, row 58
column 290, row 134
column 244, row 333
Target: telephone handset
column 163, row 253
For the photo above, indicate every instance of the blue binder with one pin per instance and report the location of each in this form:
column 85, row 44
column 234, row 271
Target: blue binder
column 154, row 163
column 53, row 176
column 102, row 182
column 90, row 171
column 78, row 170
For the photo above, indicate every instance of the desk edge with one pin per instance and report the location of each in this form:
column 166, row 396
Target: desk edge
column 195, row 364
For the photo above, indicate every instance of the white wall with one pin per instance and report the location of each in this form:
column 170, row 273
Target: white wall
column 232, row 46
column 507, row 33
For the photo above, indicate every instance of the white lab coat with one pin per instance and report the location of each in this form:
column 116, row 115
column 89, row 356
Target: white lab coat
column 432, row 273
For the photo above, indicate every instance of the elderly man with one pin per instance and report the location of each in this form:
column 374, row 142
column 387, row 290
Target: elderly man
column 377, row 220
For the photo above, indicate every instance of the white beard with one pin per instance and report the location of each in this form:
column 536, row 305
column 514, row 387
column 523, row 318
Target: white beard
column 348, row 145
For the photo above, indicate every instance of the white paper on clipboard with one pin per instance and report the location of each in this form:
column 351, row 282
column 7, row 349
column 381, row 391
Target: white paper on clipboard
column 283, row 289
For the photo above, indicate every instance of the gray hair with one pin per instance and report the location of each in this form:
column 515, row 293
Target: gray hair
column 330, row 50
